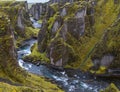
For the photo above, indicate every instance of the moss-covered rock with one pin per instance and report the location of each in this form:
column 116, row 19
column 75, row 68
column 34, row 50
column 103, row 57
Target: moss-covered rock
column 109, row 45
column 111, row 88
column 20, row 20
column 38, row 10
column 83, row 24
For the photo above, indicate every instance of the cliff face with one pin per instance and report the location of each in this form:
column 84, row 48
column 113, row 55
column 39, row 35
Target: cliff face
column 38, row 10
column 74, row 34
column 7, row 51
column 19, row 16
column 62, row 29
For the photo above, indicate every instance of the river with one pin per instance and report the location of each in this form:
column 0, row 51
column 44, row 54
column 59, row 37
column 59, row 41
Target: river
column 70, row 80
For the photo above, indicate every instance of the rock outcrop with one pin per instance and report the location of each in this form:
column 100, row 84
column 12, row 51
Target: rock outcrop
column 62, row 28
column 38, row 10
column 20, row 19
column 74, row 34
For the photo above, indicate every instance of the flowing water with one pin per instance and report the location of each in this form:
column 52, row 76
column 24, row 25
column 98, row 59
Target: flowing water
column 35, row 23
column 70, row 80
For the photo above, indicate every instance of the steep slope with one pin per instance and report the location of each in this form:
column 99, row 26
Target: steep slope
column 71, row 32
column 12, row 77
column 107, row 53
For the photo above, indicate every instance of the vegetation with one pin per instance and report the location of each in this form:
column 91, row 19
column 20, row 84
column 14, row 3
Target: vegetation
column 36, row 56
column 101, row 37
column 101, row 24
column 111, row 88
column 18, row 10
column 89, row 46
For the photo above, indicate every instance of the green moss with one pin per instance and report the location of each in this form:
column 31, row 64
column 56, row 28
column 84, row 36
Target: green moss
column 111, row 88
column 40, row 21
column 33, row 84
column 16, row 76
column 51, row 21
column 87, row 44
column 106, row 12
column 31, row 32
column 55, row 6
column 102, row 22
column 36, row 56
column 101, row 70
column 110, row 44
column 12, row 10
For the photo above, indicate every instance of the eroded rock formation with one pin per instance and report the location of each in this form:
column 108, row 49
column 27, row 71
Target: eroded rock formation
column 71, row 34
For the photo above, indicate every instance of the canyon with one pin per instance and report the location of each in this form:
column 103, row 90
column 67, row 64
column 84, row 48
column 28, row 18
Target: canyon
column 60, row 45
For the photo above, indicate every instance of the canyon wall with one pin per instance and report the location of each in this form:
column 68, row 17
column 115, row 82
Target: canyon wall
column 79, row 34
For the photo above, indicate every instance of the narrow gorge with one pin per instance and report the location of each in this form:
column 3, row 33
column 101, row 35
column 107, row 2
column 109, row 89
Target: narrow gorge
column 60, row 46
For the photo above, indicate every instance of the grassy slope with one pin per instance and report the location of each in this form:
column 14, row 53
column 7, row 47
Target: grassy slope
column 33, row 83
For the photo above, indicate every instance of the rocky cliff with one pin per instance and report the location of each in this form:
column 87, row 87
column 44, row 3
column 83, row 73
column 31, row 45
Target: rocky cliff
column 63, row 29
column 38, row 10
column 19, row 16
column 12, row 77
column 83, row 34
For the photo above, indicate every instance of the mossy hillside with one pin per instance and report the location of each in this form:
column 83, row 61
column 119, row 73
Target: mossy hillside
column 101, row 24
column 33, row 84
column 110, row 44
column 12, row 77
